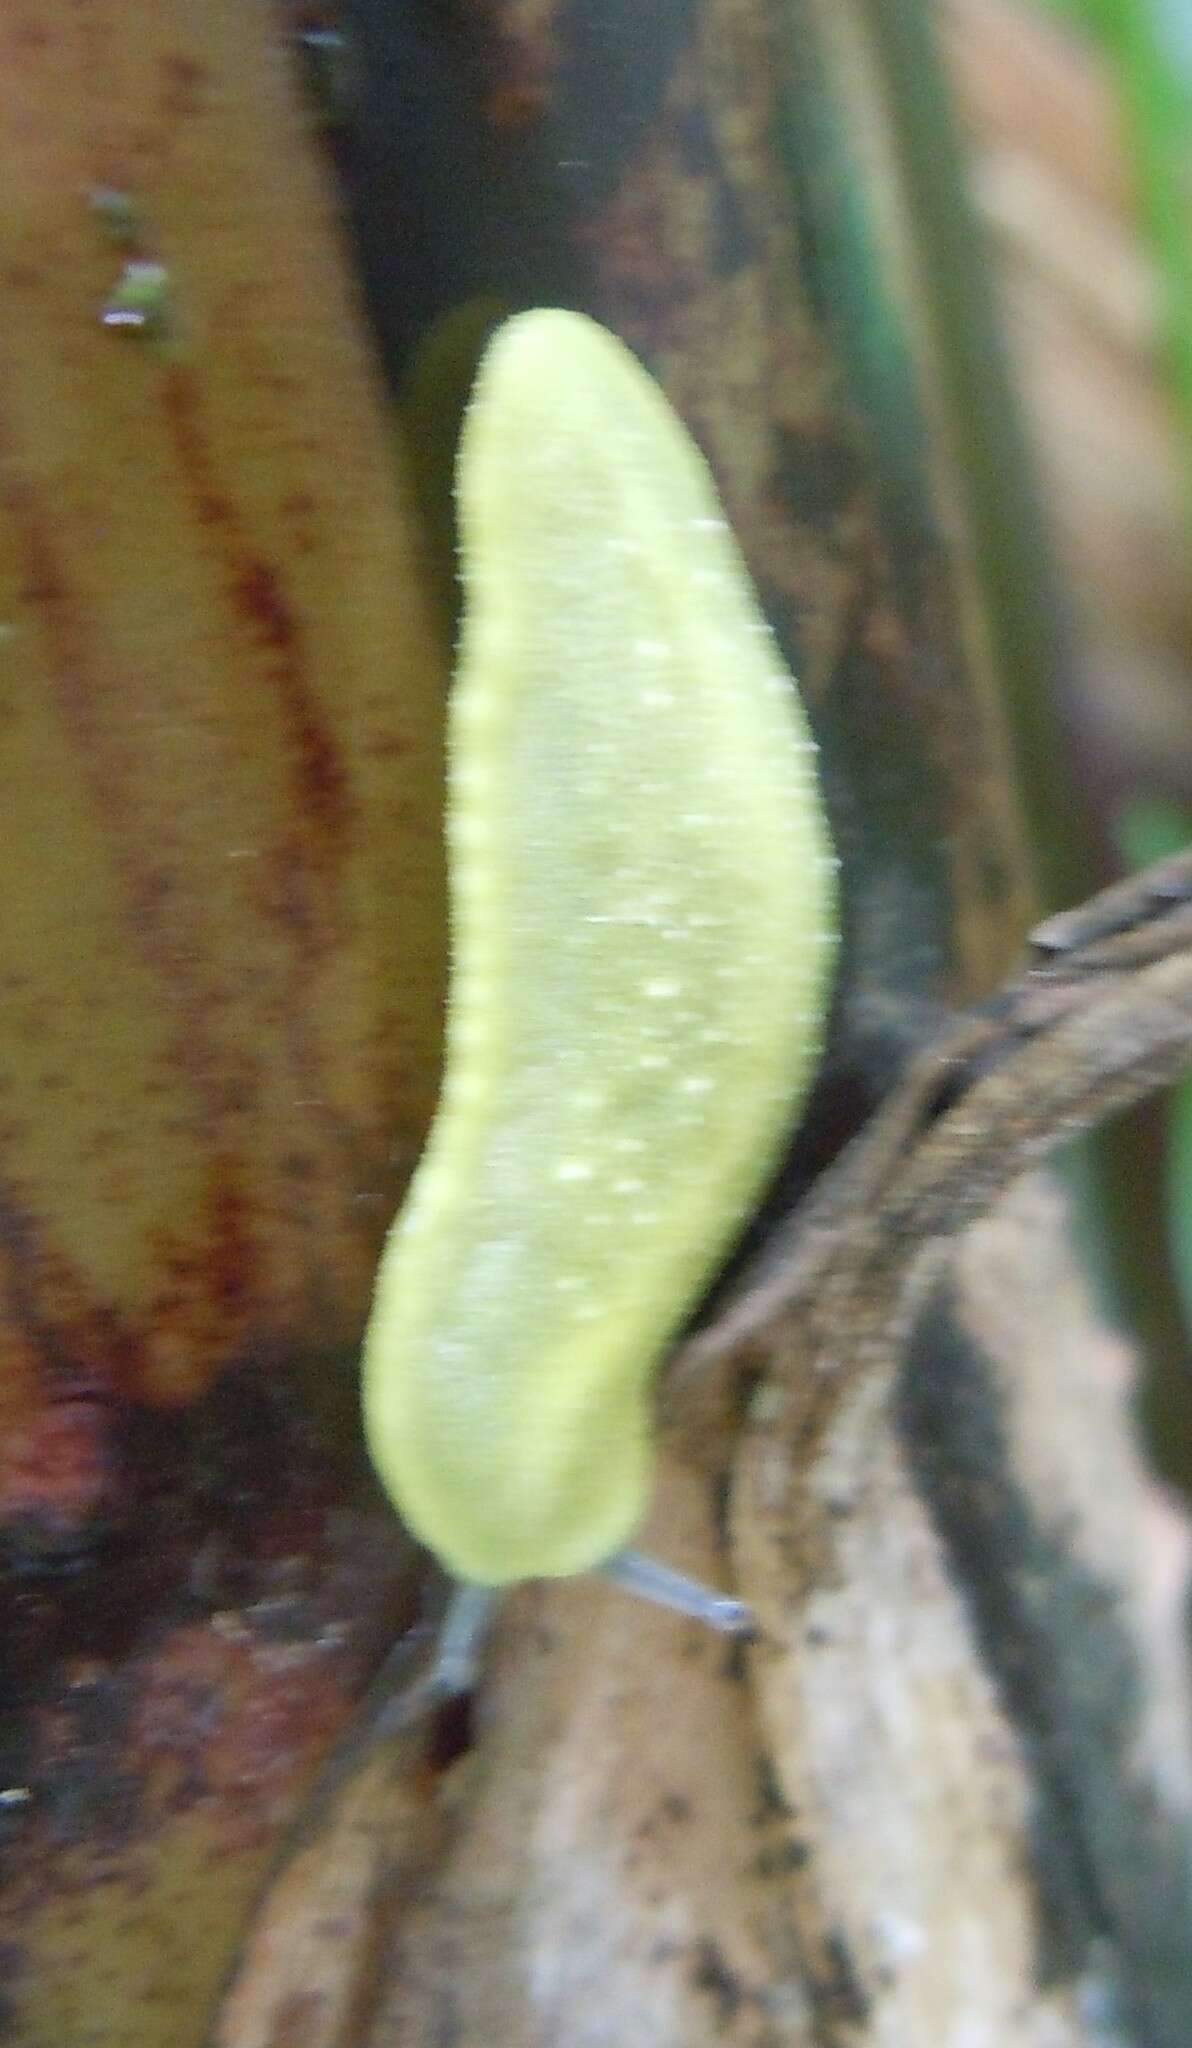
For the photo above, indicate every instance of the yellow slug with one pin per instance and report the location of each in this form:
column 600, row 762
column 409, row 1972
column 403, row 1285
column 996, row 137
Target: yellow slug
column 643, row 917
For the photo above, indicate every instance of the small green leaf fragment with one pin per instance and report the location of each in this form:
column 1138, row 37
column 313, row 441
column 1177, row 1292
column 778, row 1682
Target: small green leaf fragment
column 139, row 301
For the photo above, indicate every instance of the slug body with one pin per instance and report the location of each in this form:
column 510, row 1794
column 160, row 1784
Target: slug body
column 643, row 910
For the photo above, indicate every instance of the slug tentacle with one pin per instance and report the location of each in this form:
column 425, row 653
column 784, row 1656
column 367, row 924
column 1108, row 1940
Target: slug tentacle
column 643, row 915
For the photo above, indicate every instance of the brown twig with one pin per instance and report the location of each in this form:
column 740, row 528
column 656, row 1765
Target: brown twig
column 833, row 1546
column 1100, row 1018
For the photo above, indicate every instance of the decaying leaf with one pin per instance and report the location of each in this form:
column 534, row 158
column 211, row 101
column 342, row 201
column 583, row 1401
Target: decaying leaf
column 956, row 1807
column 220, row 690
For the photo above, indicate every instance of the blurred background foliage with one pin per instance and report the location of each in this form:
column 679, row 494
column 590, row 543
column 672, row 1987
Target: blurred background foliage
column 1079, row 125
column 1146, row 46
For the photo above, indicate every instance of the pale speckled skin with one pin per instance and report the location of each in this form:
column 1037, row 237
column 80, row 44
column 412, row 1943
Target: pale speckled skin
column 643, row 922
